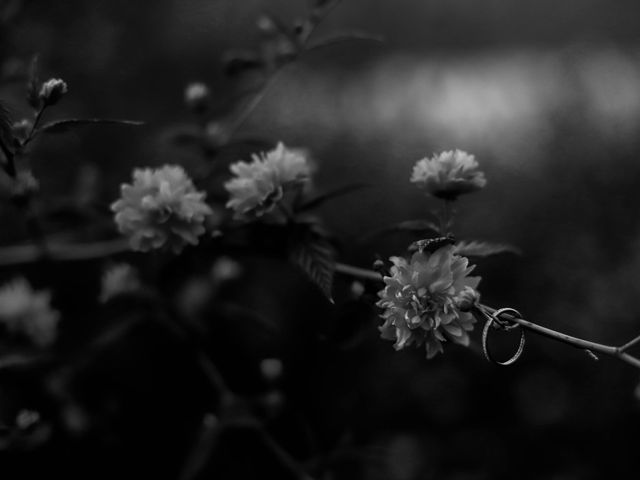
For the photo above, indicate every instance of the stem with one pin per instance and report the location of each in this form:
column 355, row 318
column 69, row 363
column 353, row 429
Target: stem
column 357, row 272
column 630, row 344
column 36, row 231
column 610, row 350
column 253, row 104
column 36, row 122
column 445, row 217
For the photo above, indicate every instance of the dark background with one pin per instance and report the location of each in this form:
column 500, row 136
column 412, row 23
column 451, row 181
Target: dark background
column 545, row 94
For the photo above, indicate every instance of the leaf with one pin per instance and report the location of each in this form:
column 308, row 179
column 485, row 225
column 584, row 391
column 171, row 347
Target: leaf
column 33, row 85
column 431, row 244
column 413, row 226
column 311, row 250
column 321, row 199
column 345, row 37
column 5, row 123
column 63, row 126
column 475, row 248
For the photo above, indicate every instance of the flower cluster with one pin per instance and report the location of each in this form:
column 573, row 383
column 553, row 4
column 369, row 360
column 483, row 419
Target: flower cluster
column 259, row 185
column 26, row 312
column 161, row 209
column 427, row 299
column 448, row 174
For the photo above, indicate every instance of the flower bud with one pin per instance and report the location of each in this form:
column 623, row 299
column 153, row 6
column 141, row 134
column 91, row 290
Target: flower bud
column 467, row 299
column 52, row 91
column 24, row 187
column 271, row 369
column 22, row 128
column 357, row 289
column 27, row 418
column 196, row 96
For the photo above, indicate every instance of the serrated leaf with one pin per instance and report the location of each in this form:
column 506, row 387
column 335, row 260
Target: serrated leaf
column 345, row 37
column 321, row 199
column 475, row 248
column 63, row 126
column 33, row 85
column 311, row 250
column 417, row 226
column 413, row 226
column 5, row 122
column 431, row 244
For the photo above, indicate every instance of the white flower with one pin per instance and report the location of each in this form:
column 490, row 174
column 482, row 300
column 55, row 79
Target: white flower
column 448, row 174
column 26, row 312
column 259, row 185
column 52, row 91
column 161, row 209
column 426, row 300
column 120, row 278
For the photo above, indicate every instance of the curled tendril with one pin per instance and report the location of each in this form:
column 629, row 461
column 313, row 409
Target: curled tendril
column 494, row 320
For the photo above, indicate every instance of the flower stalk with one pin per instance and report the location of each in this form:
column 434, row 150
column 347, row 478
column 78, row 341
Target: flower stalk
column 619, row 352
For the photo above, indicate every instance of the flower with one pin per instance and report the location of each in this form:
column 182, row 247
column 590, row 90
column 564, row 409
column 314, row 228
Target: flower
column 26, row 312
column 52, row 91
column 196, row 96
column 426, row 300
column 259, row 185
column 120, row 278
column 161, row 209
column 448, row 174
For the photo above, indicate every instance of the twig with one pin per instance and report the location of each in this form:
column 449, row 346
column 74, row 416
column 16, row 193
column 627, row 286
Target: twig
column 610, row 350
column 22, row 254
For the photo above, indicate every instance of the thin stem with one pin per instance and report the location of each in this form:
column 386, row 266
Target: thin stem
column 616, row 352
column 36, row 231
column 445, row 217
column 630, row 344
column 610, row 350
column 34, row 127
column 358, row 272
column 246, row 113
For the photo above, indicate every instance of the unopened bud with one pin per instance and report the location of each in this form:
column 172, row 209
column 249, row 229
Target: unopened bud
column 24, row 187
column 357, row 289
column 52, row 91
column 22, row 128
column 266, row 25
column 26, row 419
column 467, row 299
column 225, row 269
column 271, row 369
column 196, row 96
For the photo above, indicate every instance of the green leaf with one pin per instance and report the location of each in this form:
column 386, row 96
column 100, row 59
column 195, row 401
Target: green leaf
column 321, row 199
column 63, row 126
column 311, row 250
column 421, row 227
column 475, row 248
column 431, row 244
column 345, row 37
column 5, row 123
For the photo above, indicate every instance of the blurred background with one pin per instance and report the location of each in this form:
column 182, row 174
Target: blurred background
column 545, row 94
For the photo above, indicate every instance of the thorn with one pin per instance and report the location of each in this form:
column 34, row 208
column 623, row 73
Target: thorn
column 591, row 354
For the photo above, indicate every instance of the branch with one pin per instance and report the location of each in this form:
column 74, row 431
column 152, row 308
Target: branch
column 588, row 346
